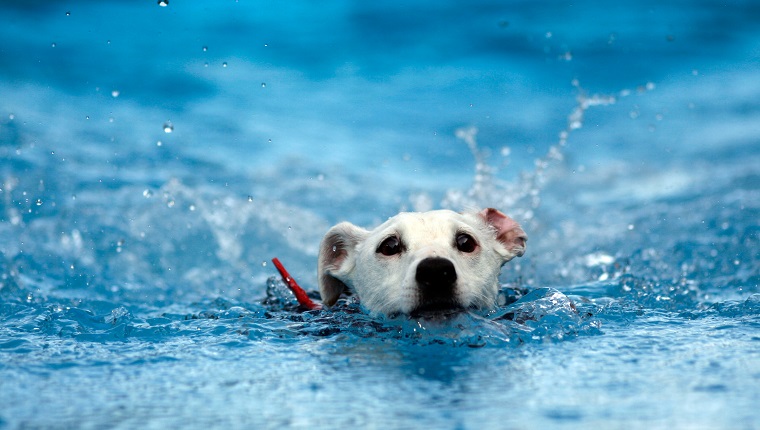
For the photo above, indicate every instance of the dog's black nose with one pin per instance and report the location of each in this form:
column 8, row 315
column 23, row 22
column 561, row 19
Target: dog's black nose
column 436, row 277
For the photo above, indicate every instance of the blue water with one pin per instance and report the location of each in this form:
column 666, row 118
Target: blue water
column 154, row 159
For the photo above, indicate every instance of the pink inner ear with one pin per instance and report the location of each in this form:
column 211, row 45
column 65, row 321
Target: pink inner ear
column 508, row 231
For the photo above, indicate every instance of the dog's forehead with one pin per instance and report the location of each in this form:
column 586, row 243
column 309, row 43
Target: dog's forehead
column 428, row 223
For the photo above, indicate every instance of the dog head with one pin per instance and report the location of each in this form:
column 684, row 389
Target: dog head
column 419, row 262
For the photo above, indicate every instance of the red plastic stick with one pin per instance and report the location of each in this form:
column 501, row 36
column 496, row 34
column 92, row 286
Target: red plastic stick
column 299, row 292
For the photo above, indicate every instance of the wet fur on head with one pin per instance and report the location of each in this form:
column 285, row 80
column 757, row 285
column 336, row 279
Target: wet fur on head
column 389, row 267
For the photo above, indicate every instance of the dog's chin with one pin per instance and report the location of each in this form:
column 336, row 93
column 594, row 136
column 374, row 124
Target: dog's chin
column 437, row 309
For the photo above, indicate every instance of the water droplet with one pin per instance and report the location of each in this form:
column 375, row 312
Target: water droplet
column 192, row 208
column 52, row 45
column 263, row 85
column 269, row 140
column 263, row 264
column 205, row 49
column 631, row 227
column 11, row 116
column 224, row 64
column 250, row 198
column 148, row 194
column 68, row 13
column 168, row 127
column 170, row 203
column 39, row 202
column 115, row 93
column 87, row 117
column 159, row 143
column 163, row 3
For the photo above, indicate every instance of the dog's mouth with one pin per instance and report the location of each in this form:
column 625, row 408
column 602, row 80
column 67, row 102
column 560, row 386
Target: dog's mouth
column 436, row 309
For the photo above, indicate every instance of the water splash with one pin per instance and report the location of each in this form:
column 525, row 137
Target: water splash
column 523, row 196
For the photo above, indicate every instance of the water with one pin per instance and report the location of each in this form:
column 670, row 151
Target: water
column 155, row 157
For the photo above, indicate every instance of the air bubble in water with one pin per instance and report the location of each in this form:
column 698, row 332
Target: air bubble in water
column 224, row 64
column 39, row 202
column 163, row 3
column 250, row 198
column 263, row 85
column 168, row 127
column 52, row 45
column 159, row 143
column 115, row 93
column 205, row 49
column 147, row 194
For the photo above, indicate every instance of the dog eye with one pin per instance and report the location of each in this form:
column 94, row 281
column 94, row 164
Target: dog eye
column 465, row 243
column 390, row 246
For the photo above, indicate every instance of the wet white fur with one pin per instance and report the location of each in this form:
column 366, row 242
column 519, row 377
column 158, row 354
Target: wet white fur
column 387, row 285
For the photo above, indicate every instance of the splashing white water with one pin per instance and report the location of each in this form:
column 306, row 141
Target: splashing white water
column 523, row 196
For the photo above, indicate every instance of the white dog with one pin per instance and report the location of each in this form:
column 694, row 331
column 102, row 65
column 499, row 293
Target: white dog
column 420, row 262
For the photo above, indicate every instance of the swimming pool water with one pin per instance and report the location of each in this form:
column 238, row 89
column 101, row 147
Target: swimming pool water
column 153, row 159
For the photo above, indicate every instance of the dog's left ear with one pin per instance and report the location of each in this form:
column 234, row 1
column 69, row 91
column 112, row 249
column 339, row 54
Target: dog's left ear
column 508, row 232
column 337, row 258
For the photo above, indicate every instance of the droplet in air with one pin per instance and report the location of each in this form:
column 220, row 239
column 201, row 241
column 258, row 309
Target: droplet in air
column 163, row 3
column 168, row 127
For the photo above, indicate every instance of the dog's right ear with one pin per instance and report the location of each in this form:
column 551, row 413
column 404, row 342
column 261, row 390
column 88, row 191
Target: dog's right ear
column 337, row 258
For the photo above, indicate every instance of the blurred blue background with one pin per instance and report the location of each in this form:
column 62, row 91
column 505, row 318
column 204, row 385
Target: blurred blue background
column 154, row 158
